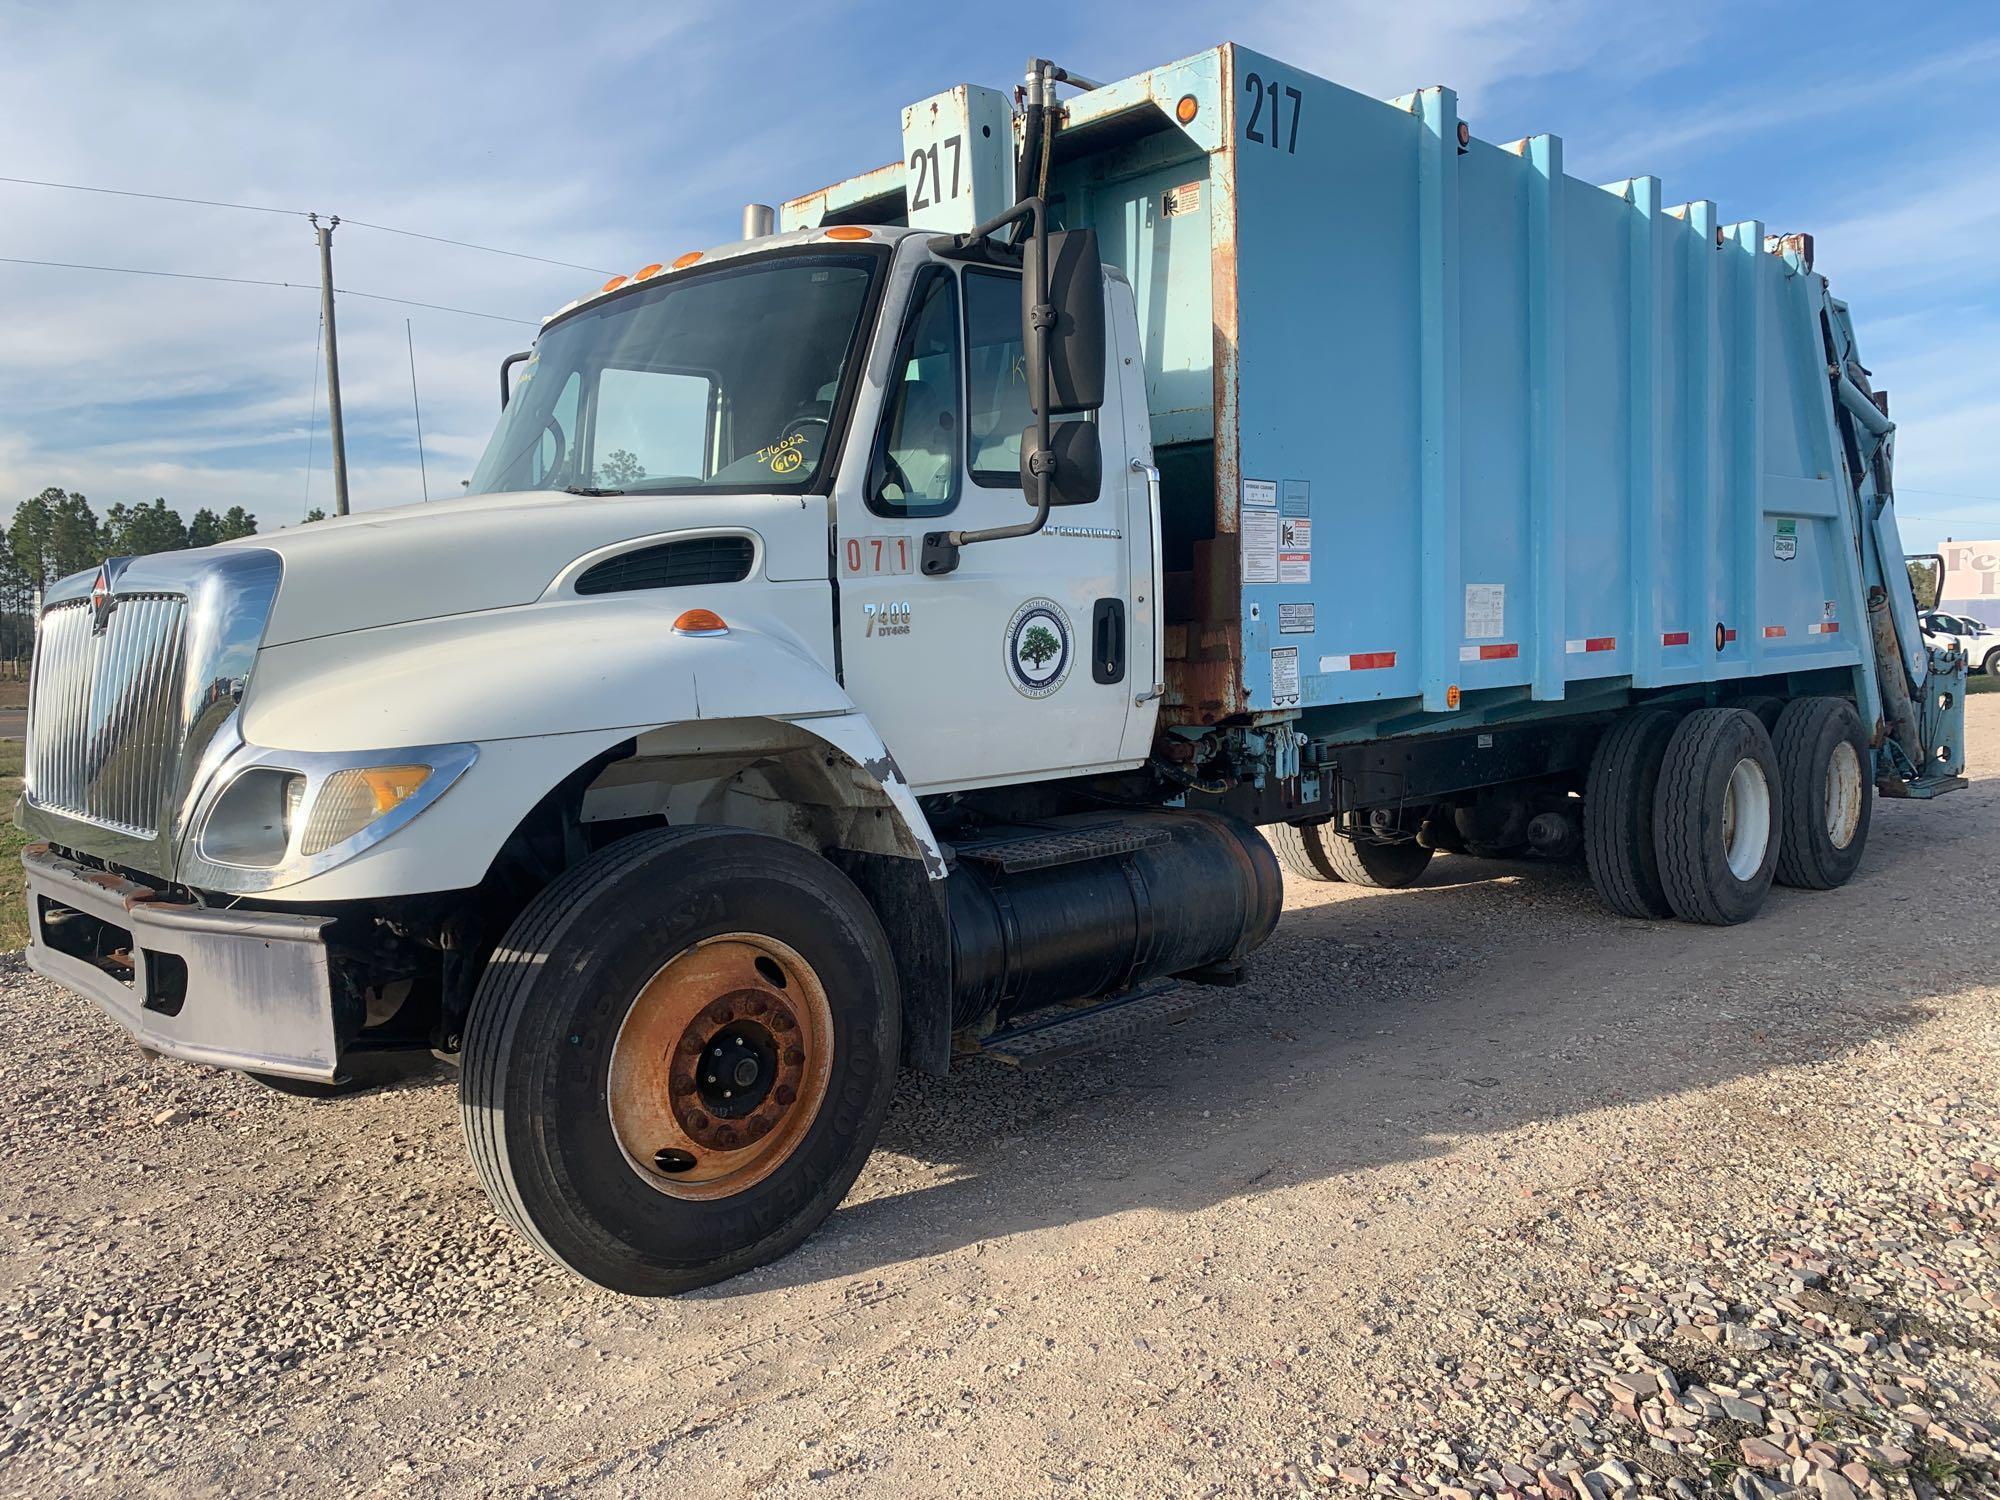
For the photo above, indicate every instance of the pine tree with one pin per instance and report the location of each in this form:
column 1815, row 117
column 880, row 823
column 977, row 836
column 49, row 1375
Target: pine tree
column 28, row 537
column 236, row 522
column 205, row 529
column 75, row 541
column 154, row 528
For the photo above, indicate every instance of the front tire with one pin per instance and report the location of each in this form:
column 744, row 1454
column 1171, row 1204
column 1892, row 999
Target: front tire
column 1823, row 765
column 1716, row 826
column 592, row 1116
column 1991, row 666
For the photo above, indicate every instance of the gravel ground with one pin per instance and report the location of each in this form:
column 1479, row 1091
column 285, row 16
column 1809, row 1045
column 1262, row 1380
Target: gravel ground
column 1474, row 1189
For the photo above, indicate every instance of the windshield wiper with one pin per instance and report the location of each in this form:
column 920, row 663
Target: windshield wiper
column 584, row 489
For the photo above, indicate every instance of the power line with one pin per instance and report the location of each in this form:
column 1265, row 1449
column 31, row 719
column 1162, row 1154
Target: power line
column 264, row 208
column 77, row 187
column 68, row 265
column 1910, row 489
column 438, row 239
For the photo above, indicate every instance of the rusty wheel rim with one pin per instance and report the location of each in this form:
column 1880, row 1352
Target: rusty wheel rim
column 720, row 1066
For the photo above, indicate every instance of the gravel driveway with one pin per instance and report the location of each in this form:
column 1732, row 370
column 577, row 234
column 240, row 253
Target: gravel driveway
column 1473, row 1189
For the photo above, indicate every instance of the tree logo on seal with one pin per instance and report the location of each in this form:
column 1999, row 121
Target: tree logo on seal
column 1038, row 648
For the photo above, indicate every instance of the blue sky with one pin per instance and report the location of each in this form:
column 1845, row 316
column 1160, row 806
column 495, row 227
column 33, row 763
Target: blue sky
column 611, row 135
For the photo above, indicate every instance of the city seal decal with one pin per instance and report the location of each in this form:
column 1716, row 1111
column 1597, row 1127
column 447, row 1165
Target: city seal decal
column 1038, row 648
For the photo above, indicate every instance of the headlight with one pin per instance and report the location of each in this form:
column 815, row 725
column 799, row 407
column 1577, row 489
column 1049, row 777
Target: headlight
column 284, row 815
column 251, row 823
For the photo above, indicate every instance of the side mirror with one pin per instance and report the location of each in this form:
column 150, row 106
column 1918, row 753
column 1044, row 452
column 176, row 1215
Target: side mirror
column 507, row 370
column 1078, row 457
column 1075, row 340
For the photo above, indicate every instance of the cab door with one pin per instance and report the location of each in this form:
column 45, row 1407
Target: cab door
column 1017, row 666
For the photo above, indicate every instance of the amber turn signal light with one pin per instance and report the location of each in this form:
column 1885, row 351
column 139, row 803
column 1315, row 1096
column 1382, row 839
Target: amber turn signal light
column 700, row 622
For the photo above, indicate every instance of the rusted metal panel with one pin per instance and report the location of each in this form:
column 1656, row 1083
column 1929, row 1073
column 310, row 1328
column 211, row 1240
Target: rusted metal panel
column 875, row 197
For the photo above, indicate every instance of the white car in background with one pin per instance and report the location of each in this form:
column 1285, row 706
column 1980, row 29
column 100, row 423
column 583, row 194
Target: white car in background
column 1979, row 641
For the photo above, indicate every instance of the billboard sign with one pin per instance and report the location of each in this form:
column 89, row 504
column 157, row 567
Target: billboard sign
column 1972, row 580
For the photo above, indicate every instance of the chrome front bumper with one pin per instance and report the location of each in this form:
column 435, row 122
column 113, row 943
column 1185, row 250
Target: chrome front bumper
column 235, row 989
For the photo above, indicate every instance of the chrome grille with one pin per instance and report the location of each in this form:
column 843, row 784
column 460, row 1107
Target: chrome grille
column 105, row 710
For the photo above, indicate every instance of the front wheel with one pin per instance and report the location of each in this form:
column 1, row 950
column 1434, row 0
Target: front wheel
column 1991, row 666
column 680, row 1056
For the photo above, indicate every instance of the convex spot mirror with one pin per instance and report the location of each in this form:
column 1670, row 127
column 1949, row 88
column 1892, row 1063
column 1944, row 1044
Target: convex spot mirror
column 1074, row 380
column 1079, row 463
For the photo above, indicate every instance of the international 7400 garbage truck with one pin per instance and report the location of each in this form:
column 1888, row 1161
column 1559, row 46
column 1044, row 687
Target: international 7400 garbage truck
column 879, row 640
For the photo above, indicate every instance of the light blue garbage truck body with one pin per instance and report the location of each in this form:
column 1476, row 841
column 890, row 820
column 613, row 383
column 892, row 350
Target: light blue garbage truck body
column 1448, row 436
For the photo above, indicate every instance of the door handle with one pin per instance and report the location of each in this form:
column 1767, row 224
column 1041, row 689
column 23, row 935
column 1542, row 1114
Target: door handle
column 1107, row 641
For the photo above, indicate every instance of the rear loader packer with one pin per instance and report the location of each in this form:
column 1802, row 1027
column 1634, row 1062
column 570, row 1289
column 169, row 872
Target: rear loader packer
column 879, row 640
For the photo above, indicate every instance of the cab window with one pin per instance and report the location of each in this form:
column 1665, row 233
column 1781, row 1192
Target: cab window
column 651, row 424
column 551, row 452
column 917, row 454
column 996, row 380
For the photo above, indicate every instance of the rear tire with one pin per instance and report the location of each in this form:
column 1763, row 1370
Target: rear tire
column 1716, row 826
column 1766, row 706
column 589, row 1122
column 1619, row 800
column 1827, row 793
column 1378, row 866
column 1301, row 848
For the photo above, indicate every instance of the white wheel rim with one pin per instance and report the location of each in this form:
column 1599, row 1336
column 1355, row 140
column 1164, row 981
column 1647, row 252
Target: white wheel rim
column 1843, row 795
column 1746, row 819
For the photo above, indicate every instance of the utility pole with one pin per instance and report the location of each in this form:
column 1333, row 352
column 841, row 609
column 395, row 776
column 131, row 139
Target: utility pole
column 334, row 428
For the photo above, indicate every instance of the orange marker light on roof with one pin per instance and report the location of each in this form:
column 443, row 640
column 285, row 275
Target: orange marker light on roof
column 682, row 262
column 647, row 271
column 700, row 622
column 849, row 232
column 1187, row 109
column 614, row 283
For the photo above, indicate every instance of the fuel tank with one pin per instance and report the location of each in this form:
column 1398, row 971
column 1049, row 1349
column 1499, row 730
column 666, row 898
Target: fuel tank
column 1088, row 905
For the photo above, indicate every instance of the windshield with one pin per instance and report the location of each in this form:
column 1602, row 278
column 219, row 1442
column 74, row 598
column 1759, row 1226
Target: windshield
column 716, row 381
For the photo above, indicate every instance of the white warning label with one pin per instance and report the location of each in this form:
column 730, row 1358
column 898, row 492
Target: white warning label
column 1296, row 619
column 1295, row 558
column 1284, row 676
column 1485, row 611
column 1259, row 537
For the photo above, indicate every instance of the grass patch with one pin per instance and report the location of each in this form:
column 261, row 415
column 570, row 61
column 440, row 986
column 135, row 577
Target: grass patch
column 1982, row 682
column 13, row 888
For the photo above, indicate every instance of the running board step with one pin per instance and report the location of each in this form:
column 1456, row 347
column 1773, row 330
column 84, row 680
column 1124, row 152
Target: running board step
column 1041, row 851
column 1049, row 1036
